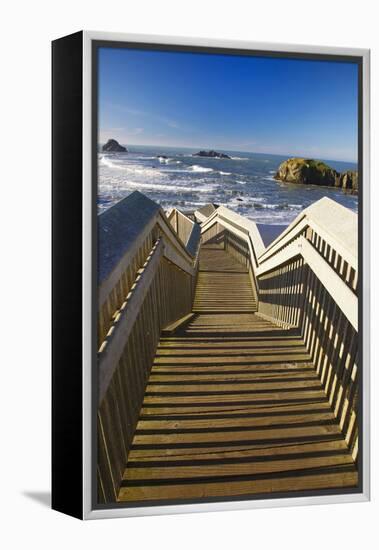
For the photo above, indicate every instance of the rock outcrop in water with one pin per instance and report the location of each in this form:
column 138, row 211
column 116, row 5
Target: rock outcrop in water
column 211, row 154
column 315, row 172
column 348, row 181
column 113, row 146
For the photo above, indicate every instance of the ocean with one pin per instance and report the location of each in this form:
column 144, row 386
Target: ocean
column 245, row 183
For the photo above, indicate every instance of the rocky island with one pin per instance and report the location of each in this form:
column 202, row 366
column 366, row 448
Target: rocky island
column 113, row 146
column 211, row 154
column 315, row 172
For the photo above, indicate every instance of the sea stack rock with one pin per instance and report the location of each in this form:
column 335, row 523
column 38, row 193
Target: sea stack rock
column 316, row 172
column 349, row 181
column 306, row 171
column 211, row 154
column 113, row 146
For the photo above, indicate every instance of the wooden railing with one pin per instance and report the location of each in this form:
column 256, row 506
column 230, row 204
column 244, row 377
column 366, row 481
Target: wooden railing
column 307, row 280
column 181, row 224
column 239, row 236
column 137, row 311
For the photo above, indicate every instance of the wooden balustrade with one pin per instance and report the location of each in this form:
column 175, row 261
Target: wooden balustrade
column 281, row 293
column 332, row 343
column 309, row 281
column 182, row 225
column 306, row 281
column 293, row 296
column 347, row 272
column 160, row 294
column 109, row 308
column 213, row 235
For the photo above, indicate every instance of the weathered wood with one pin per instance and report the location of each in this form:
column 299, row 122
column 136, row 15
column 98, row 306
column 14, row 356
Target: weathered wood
column 232, row 396
column 113, row 346
column 223, row 283
column 284, row 483
column 170, row 329
column 153, row 285
column 227, row 401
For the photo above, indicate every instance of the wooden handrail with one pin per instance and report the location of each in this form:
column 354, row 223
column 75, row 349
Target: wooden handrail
column 127, row 232
column 245, row 229
column 344, row 297
column 155, row 219
column 331, row 221
column 126, row 308
column 112, row 347
column 305, row 280
column 324, row 218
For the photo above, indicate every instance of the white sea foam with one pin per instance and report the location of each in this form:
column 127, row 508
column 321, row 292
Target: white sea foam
column 163, row 160
column 239, row 158
column 110, row 164
column 144, row 158
column 128, row 184
column 185, row 181
column 197, row 168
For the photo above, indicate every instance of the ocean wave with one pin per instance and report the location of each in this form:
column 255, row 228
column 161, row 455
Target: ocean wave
column 224, row 173
column 126, row 185
column 110, row 164
column 239, row 158
column 197, row 168
column 144, row 158
column 281, row 207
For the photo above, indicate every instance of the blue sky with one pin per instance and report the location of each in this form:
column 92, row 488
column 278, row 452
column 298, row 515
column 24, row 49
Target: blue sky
column 257, row 104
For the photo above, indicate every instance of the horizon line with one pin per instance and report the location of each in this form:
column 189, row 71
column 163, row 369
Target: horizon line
column 289, row 155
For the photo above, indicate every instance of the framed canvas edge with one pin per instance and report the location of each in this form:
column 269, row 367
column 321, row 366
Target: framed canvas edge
column 88, row 511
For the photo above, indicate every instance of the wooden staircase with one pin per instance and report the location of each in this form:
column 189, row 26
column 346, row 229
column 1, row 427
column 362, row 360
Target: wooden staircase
column 233, row 406
column 223, row 284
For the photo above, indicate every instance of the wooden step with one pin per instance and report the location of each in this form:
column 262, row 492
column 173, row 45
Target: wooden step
column 233, row 406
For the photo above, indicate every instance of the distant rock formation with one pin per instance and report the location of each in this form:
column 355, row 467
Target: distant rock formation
column 315, row 172
column 113, row 146
column 211, row 154
column 348, row 181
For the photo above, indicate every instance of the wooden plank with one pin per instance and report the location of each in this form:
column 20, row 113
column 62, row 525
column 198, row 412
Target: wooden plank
column 220, row 470
column 169, row 330
column 220, row 388
column 233, row 405
column 241, row 452
column 240, row 359
column 321, row 480
column 239, row 436
column 236, row 422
